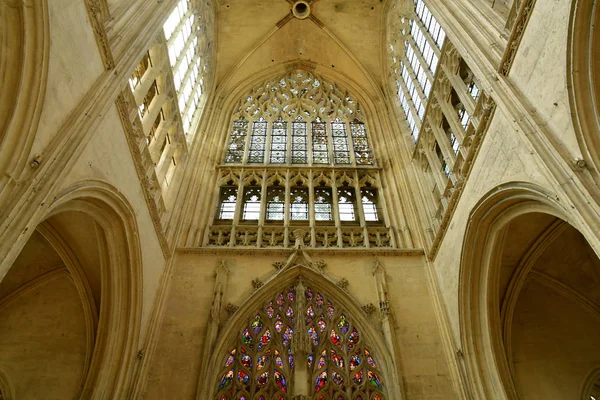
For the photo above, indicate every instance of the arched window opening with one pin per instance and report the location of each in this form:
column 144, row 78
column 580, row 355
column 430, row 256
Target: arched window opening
column 323, row 204
column 347, row 203
column 227, row 201
column 251, row 202
column 275, row 202
column 266, row 360
column 299, row 203
column 369, row 203
column 140, row 70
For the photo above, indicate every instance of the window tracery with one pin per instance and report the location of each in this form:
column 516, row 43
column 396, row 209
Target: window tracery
column 267, row 358
column 302, row 139
column 316, row 112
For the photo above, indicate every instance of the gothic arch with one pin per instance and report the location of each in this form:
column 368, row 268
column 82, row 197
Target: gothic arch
column 481, row 325
column 583, row 65
column 23, row 71
column 318, row 283
column 118, row 322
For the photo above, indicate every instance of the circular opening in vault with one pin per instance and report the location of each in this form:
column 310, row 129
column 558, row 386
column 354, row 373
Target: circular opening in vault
column 301, row 9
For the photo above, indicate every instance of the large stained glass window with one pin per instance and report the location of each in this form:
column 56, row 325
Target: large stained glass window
column 299, row 119
column 264, row 363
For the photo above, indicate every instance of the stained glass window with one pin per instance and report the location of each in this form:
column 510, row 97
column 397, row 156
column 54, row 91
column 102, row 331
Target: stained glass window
column 258, row 142
column 237, row 141
column 299, row 119
column 278, row 142
column 228, row 201
column 323, row 202
column 341, row 153
column 299, row 203
column 299, row 142
column 369, row 204
column 346, row 203
column 362, row 150
column 275, row 203
column 320, row 149
column 251, row 209
column 414, row 74
column 182, row 31
column 261, row 365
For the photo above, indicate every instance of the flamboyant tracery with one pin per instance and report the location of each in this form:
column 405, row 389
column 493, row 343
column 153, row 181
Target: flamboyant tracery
column 300, row 334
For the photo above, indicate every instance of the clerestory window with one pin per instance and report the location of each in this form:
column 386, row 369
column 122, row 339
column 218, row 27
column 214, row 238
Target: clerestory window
column 300, row 155
column 299, row 120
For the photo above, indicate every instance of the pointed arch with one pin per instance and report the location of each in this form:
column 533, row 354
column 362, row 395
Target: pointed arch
column 119, row 320
column 24, row 33
column 583, row 69
column 487, row 364
column 343, row 304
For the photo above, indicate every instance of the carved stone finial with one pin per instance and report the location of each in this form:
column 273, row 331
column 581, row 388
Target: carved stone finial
column 343, row 284
column 279, row 265
column 369, row 308
column 231, row 309
column 257, row 284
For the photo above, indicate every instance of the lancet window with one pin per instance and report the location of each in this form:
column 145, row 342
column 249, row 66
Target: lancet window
column 300, row 334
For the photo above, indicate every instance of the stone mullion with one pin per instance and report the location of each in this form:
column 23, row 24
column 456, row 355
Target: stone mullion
column 165, row 160
column 444, row 142
column 359, row 209
column 350, row 143
column 160, row 136
column 460, row 88
column 436, row 170
column 263, row 209
column 311, row 209
column 238, row 208
column 451, row 116
column 335, row 209
column 286, row 210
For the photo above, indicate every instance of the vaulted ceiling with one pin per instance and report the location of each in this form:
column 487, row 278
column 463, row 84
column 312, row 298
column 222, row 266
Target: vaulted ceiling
column 345, row 36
